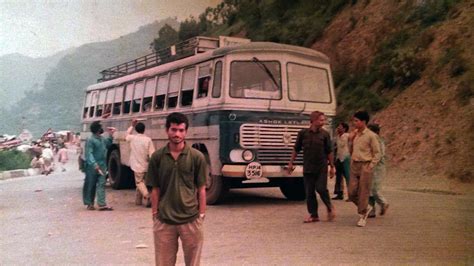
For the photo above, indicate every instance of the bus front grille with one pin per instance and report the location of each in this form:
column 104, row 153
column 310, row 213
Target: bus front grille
column 277, row 156
column 273, row 143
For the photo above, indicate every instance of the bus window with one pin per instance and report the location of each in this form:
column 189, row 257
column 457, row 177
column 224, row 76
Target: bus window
column 203, row 80
column 118, row 100
column 87, row 104
column 100, row 103
column 93, row 102
column 255, row 79
column 216, row 88
column 173, row 90
column 108, row 103
column 150, row 85
column 187, row 87
column 161, row 92
column 307, row 83
column 127, row 98
column 137, row 96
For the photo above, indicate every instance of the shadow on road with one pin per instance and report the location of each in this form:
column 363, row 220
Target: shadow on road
column 263, row 196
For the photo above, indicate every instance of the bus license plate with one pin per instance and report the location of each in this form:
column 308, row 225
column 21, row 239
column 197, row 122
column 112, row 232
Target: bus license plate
column 253, row 170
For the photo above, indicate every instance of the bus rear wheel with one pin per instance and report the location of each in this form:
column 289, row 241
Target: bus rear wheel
column 293, row 190
column 120, row 176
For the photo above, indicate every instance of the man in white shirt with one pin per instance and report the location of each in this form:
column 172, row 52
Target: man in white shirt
column 47, row 156
column 141, row 149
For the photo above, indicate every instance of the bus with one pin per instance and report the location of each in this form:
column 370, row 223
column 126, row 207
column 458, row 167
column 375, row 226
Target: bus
column 246, row 102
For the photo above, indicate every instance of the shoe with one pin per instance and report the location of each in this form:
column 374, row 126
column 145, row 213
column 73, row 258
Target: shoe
column 311, row 219
column 384, row 209
column 90, row 207
column 372, row 213
column 363, row 218
column 362, row 221
column 105, row 208
column 348, row 200
column 338, row 197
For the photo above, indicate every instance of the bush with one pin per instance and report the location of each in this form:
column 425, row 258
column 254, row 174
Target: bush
column 464, row 92
column 11, row 160
column 452, row 57
column 432, row 11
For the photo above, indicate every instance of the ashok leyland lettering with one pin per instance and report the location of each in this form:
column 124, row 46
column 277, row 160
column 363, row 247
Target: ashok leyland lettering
column 246, row 102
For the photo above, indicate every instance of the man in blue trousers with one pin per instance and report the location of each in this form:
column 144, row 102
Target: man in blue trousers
column 96, row 167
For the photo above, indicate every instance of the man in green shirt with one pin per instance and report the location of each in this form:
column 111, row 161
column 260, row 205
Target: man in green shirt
column 96, row 167
column 177, row 174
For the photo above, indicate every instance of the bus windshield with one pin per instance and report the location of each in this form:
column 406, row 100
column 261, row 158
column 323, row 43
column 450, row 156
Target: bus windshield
column 308, row 84
column 255, row 79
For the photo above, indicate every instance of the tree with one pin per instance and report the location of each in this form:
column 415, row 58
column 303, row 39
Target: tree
column 167, row 36
column 188, row 29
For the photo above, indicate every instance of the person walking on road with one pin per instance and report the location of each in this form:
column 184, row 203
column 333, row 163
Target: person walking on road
column 62, row 156
column 317, row 149
column 177, row 175
column 141, row 149
column 96, row 167
column 379, row 174
column 47, row 156
column 343, row 160
column 365, row 156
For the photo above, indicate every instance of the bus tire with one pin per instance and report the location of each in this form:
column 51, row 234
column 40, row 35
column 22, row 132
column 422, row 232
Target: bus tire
column 293, row 190
column 120, row 176
column 216, row 189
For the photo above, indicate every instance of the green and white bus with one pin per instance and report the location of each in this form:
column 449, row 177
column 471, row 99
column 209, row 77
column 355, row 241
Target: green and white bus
column 246, row 102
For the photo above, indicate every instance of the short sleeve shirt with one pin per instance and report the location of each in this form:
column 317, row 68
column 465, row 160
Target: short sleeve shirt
column 316, row 146
column 141, row 148
column 178, row 181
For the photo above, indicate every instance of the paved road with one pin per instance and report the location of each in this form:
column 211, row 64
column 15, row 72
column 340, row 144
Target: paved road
column 43, row 222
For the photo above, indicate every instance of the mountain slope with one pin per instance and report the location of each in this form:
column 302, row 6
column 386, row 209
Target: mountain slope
column 59, row 104
column 428, row 124
column 20, row 73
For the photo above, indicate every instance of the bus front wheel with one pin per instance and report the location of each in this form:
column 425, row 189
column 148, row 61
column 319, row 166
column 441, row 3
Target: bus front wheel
column 216, row 188
column 120, row 176
column 293, row 190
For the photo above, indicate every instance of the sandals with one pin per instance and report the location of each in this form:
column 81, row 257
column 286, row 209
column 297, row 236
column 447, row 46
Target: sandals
column 90, row 207
column 105, row 208
column 311, row 219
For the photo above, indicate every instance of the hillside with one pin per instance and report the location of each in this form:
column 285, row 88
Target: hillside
column 58, row 104
column 429, row 124
column 20, row 73
column 409, row 63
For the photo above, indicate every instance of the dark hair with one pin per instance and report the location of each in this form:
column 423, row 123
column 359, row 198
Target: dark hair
column 140, row 128
column 176, row 118
column 375, row 128
column 95, row 127
column 345, row 126
column 363, row 116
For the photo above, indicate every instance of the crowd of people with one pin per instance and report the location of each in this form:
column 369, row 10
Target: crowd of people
column 45, row 150
column 359, row 161
column 176, row 174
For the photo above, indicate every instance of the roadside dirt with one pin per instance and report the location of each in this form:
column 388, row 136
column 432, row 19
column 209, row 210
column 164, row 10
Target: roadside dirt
column 429, row 132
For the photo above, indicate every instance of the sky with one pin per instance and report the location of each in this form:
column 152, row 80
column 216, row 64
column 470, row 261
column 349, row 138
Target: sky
column 39, row 28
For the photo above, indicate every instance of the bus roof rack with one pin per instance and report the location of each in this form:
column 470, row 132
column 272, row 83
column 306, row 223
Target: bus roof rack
column 175, row 52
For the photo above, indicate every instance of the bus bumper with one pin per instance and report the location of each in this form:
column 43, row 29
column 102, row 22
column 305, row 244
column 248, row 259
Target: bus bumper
column 269, row 171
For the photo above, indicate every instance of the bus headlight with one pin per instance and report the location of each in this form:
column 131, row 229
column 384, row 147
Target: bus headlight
column 248, row 155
